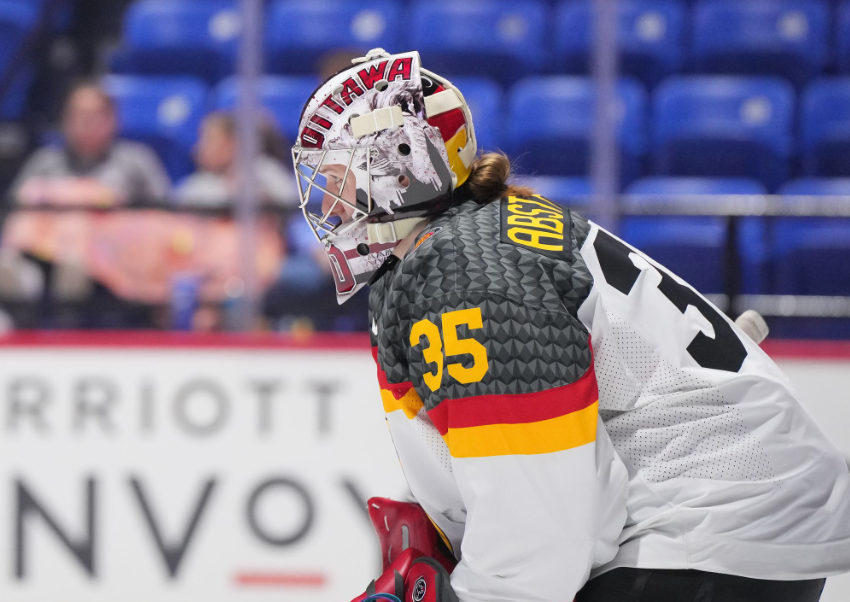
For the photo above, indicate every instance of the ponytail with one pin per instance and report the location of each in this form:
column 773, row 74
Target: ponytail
column 489, row 179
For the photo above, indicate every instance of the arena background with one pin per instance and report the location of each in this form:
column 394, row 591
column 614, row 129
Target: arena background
column 187, row 413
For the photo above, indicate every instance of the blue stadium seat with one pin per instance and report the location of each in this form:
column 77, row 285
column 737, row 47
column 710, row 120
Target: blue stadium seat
column 843, row 46
column 568, row 191
column 724, row 127
column 298, row 33
column 17, row 19
column 486, row 102
column 62, row 18
column 675, row 188
column 650, row 37
column 825, row 117
column 551, row 121
column 770, row 37
column 184, row 37
column 502, row 39
column 694, row 248
column 812, row 255
column 282, row 97
column 817, row 187
column 163, row 112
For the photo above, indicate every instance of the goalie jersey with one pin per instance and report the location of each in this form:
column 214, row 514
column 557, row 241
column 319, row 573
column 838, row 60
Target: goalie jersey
column 562, row 405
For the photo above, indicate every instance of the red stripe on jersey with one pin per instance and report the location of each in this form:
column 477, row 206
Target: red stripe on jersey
column 440, row 417
column 516, row 408
column 398, row 390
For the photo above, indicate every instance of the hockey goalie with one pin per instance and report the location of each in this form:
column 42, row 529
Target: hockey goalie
column 574, row 421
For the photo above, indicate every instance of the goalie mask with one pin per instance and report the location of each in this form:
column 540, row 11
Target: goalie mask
column 380, row 147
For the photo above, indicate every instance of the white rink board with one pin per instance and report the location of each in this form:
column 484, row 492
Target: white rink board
column 178, row 420
column 824, row 386
column 319, row 442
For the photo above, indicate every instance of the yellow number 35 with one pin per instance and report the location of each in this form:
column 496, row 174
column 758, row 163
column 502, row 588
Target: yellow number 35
column 433, row 353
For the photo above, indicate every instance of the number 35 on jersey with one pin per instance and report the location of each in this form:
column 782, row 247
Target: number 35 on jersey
column 441, row 345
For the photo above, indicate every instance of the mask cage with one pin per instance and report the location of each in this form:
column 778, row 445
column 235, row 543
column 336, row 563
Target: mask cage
column 308, row 164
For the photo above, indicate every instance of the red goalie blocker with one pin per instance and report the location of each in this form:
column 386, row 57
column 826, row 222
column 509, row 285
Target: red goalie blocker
column 416, row 561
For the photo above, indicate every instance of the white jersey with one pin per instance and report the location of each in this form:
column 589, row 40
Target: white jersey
column 728, row 472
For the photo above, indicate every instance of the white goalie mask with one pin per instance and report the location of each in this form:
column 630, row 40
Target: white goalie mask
column 380, row 147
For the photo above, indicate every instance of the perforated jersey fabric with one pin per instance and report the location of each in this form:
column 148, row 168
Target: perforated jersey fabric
column 432, row 439
column 728, row 472
column 669, row 424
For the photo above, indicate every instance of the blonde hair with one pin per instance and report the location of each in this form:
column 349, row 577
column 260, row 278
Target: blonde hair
column 490, row 179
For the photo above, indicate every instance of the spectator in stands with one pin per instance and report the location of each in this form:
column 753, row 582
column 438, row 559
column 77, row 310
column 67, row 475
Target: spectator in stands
column 91, row 167
column 216, row 182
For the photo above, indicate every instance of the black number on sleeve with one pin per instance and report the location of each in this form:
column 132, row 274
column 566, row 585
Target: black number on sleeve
column 723, row 352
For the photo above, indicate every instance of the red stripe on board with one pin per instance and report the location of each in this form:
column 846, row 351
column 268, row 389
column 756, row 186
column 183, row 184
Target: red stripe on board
column 180, row 340
column 516, row 408
column 281, row 579
column 798, row 349
column 789, row 348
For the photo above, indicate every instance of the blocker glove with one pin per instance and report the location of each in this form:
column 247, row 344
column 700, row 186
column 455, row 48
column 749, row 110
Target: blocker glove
column 416, row 561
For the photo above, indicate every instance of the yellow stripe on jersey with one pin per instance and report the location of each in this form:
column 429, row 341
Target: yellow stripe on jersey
column 543, row 437
column 410, row 403
column 441, row 534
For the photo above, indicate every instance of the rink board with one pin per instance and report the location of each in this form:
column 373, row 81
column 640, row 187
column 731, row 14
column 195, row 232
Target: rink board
column 161, row 468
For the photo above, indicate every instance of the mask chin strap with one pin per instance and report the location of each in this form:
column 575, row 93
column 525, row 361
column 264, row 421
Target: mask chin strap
column 390, row 232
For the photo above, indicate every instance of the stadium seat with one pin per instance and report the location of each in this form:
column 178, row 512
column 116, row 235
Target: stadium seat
column 299, row 33
column 486, row 101
column 63, row 15
column 676, row 188
column 163, row 112
column 694, row 248
column 812, row 255
column 825, row 119
column 769, row 37
column 568, row 191
column 724, row 127
column 843, row 47
column 17, row 20
column 650, row 37
column 282, row 97
column 502, row 39
column 179, row 37
column 551, row 122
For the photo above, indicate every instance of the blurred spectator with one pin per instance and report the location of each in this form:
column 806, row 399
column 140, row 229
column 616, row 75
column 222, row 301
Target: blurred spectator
column 92, row 167
column 216, row 182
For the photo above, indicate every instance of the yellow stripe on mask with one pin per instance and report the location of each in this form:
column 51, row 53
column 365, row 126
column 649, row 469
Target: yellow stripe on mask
column 543, row 437
column 453, row 145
